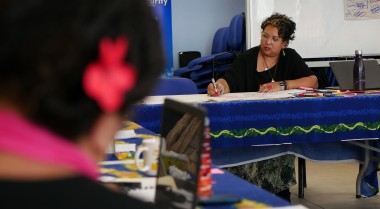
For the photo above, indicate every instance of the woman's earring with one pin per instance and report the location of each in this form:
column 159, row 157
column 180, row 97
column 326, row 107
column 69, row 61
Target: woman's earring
column 283, row 52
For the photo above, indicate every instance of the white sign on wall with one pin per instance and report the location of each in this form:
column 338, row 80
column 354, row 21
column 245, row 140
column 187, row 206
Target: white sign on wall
column 361, row 9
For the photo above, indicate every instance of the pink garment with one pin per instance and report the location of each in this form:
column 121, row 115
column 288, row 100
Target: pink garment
column 22, row 137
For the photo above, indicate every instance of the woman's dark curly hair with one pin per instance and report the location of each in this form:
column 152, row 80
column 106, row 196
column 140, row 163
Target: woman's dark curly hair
column 286, row 26
column 47, row 44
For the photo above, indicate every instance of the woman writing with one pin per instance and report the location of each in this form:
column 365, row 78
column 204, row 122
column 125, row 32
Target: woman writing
column 269, row 67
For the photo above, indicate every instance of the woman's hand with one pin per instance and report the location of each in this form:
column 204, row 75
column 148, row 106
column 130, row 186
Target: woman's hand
column 270, row 87
column 212, row 91
column 309, row 81
column 221, row 88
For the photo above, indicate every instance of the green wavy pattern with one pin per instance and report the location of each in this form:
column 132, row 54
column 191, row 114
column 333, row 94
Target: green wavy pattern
column 296, row 130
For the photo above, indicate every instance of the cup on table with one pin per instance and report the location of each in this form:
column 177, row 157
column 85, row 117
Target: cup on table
column 149, row 149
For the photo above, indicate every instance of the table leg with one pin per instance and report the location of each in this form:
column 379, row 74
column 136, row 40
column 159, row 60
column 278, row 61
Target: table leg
column 301, row 177
column 360, row 176
column 366, row 160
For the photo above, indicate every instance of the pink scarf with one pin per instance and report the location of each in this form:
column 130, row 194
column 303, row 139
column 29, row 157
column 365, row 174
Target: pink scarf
column 22, row 137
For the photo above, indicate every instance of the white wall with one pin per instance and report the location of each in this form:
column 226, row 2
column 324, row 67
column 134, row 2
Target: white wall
column 322, row 30
column 194, row 23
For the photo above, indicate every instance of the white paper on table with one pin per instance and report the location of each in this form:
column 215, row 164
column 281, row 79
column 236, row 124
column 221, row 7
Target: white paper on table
column 119, row 147
column 243, row 96
column 188, row 98
column 125, row 134
column 125, row 147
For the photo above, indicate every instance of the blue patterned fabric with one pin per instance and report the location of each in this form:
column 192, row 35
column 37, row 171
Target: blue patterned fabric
column 307, row 123
column 227, row 183
column 295, row 121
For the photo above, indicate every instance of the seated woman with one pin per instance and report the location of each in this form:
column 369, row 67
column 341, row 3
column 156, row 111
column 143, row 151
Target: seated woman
column 269, row 67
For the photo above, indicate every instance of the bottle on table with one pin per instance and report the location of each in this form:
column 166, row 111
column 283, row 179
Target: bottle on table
column 359, row 71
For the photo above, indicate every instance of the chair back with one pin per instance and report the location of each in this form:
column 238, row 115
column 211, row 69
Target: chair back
column 236, row 36
column 174, row 86
column 220, row 41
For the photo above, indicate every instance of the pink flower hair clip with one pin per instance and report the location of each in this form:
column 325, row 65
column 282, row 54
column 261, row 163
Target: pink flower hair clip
column 108, row 79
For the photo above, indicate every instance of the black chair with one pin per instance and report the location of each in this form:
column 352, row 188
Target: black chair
column 186, row 57
column 321, row 73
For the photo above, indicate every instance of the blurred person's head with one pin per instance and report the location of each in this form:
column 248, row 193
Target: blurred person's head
column 49, row 45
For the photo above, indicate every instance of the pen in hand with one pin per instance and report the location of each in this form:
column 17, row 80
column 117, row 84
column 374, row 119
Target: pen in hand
column 215, row 89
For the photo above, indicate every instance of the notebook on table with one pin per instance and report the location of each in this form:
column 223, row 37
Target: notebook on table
column 343, row 71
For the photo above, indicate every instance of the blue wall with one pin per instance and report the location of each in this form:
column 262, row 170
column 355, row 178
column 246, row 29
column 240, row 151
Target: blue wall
column 194, row 23
column 163, row 14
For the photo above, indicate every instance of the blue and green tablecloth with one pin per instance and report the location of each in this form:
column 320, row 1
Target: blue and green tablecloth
column 315, row 128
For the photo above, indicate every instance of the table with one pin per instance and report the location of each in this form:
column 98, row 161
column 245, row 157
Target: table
column 313, row 128
column 223, row 181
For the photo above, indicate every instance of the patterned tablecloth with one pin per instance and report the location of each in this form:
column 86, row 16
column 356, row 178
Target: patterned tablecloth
column 314, row 128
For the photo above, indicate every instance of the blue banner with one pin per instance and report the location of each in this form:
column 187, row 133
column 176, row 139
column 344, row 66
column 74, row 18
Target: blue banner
column 163, row 12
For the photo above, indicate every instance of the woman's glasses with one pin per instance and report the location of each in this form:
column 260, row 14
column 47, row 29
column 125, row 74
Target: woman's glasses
column 266, row 37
